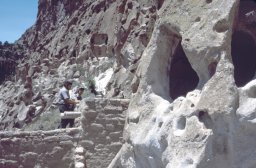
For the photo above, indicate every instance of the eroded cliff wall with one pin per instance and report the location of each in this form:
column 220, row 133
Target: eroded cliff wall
column 194, row 104
column 76, row 40
column 188, row 68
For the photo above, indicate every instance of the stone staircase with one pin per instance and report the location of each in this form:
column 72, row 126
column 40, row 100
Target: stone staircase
column 79, row 157
column 93, row 145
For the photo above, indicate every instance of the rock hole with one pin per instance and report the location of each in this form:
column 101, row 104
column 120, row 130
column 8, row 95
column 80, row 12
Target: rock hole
column 106, row 40
column 159, row 4
column 99, row 39
column 160, row 124
column 121, row 6
column 208, row 1
column 212, row 68
column 97, row 8
column 88, row 31
column 221, row 26
column 187, row 162
column 198, row 19
column 251, row 91
column 152, row 9
column 205, row 118
column 134, row 119
column 244, row 57
column 129, row 5
column 73, row 53
column 179, row 126
column 123, row 21
column 181, row 123
column 183, row 78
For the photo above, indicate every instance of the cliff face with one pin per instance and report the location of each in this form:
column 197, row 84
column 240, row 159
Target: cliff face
column 194, row 106
column 9, row 54
column 187, row 66
column 77, row 40
column 118, row 30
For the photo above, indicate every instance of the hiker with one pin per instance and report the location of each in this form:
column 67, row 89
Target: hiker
column 66, row 103
column 79, row 93
column 76, row 94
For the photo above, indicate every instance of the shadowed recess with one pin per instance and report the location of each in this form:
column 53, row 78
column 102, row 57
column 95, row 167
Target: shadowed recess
column 159, row 4
column 205, row 118
column 6, row 68
column 183, row 78
column 244, row 57
column 7, row 61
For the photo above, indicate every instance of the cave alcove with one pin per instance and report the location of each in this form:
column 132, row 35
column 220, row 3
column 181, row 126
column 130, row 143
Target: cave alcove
column 183, row 78
column 243, row 51
column 243, row 44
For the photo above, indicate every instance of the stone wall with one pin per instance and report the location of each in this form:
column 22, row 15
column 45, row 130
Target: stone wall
column 39, row 149
column 94, row 146
column 103, row 122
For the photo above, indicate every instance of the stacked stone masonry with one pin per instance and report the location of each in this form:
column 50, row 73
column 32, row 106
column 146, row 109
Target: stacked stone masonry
column 93, row 146
column 40, row 149
column 103, row 122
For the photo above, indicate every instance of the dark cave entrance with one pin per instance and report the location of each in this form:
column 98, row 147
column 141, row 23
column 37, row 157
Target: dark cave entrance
column 244, row 57
column 183, row 78
column 243, row 44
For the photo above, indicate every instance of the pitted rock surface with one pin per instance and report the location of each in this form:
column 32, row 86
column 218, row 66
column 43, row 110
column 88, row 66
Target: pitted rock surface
column 188, row 68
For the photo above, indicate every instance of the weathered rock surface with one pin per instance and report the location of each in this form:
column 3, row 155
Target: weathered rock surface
column 174, row 123
column 188, row 68
column 78, row 40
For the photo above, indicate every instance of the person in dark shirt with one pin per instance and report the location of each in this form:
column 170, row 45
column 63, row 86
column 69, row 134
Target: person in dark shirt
column 79, row 93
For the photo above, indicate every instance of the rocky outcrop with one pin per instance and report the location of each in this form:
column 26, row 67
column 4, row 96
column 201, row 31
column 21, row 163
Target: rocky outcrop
column 9, row 54
column 79, row 40
column 187, row 67
column 194, row 117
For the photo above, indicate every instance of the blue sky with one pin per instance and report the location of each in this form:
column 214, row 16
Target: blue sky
column 16, row 16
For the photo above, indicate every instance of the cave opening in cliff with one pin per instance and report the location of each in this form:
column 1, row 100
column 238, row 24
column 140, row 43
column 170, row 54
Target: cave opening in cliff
column 243, row 51
column 183, row 78
column 243, row 44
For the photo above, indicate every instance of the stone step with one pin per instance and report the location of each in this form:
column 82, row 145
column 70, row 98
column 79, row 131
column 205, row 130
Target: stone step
column 79, row 165
column 79, row 157
column 70, row 114
column 79, row 150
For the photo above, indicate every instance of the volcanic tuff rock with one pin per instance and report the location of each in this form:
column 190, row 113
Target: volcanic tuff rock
column 187, row 66
column 190, row 55
column 77, row 40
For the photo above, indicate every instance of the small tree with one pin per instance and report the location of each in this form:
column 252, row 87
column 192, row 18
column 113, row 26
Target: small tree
column 91, row 84
column 6, row 43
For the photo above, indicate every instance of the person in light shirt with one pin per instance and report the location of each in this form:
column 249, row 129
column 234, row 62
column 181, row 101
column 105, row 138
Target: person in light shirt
column 65, row 103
